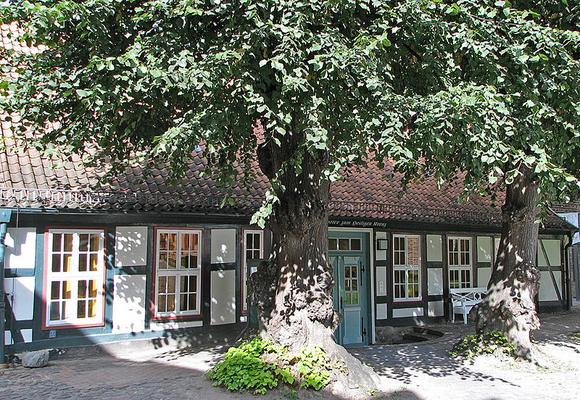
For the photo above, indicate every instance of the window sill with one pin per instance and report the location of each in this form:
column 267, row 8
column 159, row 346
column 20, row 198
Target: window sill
column 71, row 325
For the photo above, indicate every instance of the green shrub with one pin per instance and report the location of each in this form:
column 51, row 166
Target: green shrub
column 576, row 336
column 487, row 343
column 258, row 366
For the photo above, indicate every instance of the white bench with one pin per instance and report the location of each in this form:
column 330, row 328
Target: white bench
column 463, row 300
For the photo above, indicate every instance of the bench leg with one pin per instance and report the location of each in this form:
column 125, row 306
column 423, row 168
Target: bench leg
column 464, row 317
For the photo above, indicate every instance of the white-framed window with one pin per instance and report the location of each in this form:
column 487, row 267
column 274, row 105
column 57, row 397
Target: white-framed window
column 178, row 272
column 459, row 256
column 406, row 267
column 75, row 277
column 253, row 249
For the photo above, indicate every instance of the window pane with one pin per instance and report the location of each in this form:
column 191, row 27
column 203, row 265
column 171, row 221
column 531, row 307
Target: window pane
column 163, row 241
column 183, row 303
column 92, row 308
column 55, row 290
column 67, row 264
column 93, row 289
column 184, row 284
column 68, row 242
column 82, row 289
column 171, row 303
column 81, row 309
column 170, row 284
column 185, row 242
column 343, row 244
column 84, row 242
column 162, row 261
column 95, row 242
column 66, row 290
column 94, row 261
column 64, row 311
column 56, row 263
column 172, row 260
column 172, row 241
column 332, row 244
column 54, row 311
column 161, row 303
column 355, row 244
column 56, row 242
column 193, row 261
column 83, row 260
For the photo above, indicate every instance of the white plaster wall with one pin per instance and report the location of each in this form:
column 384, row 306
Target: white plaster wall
column 381, row 255
column 436, row 309
column 223, row 297
column 20, row 248
column 435, row 281
column 223, row 245
column 552, row 247
column 26, row 335
column 20, row 293
column 381, row 281
column 382, row 310
column 483, row 276
column 547, row 291
column 129, row 303
column 130, row 246
column 484, row 249
column 434, row 248
column 408, row 312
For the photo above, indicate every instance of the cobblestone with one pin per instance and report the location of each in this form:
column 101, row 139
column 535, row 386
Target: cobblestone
column 416, row 372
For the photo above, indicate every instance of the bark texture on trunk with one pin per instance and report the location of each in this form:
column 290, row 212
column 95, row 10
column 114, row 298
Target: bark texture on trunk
column 509, row 304
column 293, row 290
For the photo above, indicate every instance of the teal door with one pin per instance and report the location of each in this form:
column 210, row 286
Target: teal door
column 348, row 254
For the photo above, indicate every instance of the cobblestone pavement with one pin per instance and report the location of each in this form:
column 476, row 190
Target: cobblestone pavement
column 415, row 372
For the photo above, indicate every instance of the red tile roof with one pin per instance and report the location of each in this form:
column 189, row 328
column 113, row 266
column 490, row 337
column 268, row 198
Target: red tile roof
column 28, row 179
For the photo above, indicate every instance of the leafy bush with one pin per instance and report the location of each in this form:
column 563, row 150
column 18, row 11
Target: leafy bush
column 258, row 366
column 487, row 343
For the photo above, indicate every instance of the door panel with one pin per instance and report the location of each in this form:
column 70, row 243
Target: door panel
column 350, row 297
column 352, row 310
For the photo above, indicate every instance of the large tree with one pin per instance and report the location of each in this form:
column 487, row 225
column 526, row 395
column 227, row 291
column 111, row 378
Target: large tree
column 305, row 88
column 516, row 64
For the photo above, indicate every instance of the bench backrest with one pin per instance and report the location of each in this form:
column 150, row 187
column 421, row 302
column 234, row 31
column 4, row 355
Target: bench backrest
column 468, row 295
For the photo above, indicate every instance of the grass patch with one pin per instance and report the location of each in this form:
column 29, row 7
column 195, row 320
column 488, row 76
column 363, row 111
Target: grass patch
column 258, row 366
column 575, row 336
column 488, row 343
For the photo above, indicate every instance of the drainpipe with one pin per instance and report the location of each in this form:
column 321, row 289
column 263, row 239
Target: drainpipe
column 567, row 282
column 4, row 219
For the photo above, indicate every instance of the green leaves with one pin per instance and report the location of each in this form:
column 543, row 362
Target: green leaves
column 258, row 366
column 436, row 86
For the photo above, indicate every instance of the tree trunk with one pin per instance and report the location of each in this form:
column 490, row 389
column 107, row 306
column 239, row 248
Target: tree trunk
column 509, row 304
column 293, row 290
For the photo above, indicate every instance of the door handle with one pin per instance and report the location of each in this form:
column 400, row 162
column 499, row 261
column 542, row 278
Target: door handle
column 341, row 305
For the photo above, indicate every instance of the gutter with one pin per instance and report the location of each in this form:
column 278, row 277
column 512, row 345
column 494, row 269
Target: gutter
column 4, row 219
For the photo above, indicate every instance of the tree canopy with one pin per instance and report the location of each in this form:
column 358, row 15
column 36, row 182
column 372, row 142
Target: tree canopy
column 438, row 86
